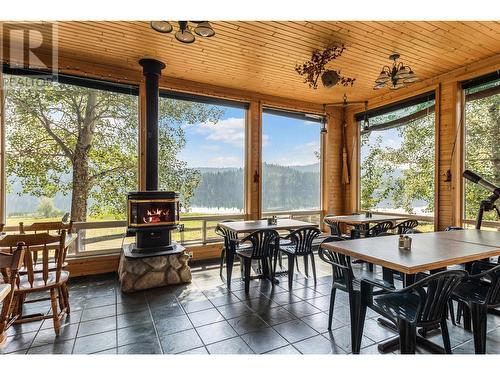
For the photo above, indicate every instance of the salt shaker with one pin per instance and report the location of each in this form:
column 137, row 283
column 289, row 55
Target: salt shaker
column 401, row 242
column 407, row 243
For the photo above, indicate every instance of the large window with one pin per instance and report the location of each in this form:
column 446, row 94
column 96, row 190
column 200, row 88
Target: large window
column 290, row 161
column 397, row 158
column 71, row 146
column 482, row 140
column 202, row 156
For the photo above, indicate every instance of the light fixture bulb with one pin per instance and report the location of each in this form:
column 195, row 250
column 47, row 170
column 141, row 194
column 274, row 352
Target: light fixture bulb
column 383, row 77
column 184, row 36
column 204, row 29
column 161, row 26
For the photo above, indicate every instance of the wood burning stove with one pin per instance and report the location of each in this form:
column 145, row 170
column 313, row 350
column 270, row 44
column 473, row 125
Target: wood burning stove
column 152, row 215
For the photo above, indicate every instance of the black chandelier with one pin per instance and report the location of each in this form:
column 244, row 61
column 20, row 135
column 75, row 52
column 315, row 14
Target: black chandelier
column 396, row 77
column 184, row 34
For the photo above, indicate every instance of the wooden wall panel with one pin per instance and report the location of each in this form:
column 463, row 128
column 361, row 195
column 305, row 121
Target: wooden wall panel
column 253, row 160
column 333, row 190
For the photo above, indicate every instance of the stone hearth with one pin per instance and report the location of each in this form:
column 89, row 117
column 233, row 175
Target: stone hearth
column 153, row 270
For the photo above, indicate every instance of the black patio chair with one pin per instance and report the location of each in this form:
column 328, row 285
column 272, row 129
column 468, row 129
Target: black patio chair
column 301, row 245
column 479, row 292
column 422, row 304
column 226, row 255
column 379, row 228
column 406, row 226
column 263, row 244
column 334, row 227
column 343, row 279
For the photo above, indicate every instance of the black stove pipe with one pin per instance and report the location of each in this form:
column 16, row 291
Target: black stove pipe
column 152, row 71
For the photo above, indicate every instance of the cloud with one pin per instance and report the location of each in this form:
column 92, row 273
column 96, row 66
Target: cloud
column 224, row 161
column 211, row 148
column 230, row 131
column 309, row 146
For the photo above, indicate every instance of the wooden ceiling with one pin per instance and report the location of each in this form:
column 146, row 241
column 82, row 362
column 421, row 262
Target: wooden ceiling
column 261, row 56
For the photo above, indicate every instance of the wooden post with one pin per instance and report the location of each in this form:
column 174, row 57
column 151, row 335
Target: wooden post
column 332, row 190
column 253, row 161
column 3, row 182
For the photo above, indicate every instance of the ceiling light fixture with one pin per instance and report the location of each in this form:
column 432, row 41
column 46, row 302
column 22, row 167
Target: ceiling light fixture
column 184, row 34
column 396, row 77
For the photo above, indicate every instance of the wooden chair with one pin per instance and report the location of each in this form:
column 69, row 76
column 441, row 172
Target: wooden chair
column 46, row 227
column 9, row 267
column 43, row 262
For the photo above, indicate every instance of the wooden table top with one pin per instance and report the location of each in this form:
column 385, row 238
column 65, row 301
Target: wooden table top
column 4, row 291
column 429, row 251
column 482, row 237
column 362, row 219
column 253, row 225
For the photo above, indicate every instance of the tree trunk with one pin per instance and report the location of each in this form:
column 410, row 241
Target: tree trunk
column 81, row 181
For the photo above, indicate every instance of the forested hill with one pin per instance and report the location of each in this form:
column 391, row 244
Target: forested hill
column 284, row 187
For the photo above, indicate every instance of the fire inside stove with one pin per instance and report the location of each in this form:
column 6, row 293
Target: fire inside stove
column 152, row 212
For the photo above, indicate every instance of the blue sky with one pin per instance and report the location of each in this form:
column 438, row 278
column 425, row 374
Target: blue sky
column 222, row 144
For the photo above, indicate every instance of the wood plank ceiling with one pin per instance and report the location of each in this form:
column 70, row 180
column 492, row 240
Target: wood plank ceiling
column 261, row 56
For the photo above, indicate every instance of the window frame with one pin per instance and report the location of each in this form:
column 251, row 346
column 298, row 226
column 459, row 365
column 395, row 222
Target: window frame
column 394, row 105
column 304, row 116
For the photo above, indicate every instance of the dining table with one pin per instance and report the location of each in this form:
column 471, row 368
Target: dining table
column 432, row 252
column 249, row 226
column 361, row 222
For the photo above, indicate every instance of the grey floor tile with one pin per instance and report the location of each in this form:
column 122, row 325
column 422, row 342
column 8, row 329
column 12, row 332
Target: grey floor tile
column 48, row 336
column 18, row 342
column 144, row 333
column 163, row 312
column 95, row 343
column 201, row 318
column 173, row 324
column 18, row 329
column 180, row 342
column 319, row 322
column 284, row 298
column 92, row 327
column 216, row 332
column 247, row 323
column 301, row 309
column 234, row 345
column 198, row 305
column 342, row 338
column 318, row 345
column 196, row 351
column 60, row 347
column 264, row 340
column 234, row 310
column 100, row 301
column 295, row 330
column 306, row 293
column 133, row 318
column 98, row 312
column 130, row 307
column 140, row 348
column 276, row 316
column 377, row 332
column 286, row 350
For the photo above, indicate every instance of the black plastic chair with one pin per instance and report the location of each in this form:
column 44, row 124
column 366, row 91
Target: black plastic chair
column 422, row 304
column 448, row 229
column 263, row 244
column 479, row 292
column 406, row 226
column 343, row 279
column 379, row 228
column 226, row 254
column 301, row 245
column 334, row 227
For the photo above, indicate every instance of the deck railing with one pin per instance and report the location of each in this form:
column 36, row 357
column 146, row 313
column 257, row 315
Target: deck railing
column 107, row 237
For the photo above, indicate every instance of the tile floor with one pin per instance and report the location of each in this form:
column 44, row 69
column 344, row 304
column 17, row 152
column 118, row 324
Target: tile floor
column 205, row 317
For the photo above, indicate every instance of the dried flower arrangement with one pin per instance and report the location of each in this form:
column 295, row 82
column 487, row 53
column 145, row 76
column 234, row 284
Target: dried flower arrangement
column 316, row 66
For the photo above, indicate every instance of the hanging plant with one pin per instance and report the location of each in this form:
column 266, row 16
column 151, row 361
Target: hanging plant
column 316, row 67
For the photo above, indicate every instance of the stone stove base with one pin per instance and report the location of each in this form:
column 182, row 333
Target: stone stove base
column 153, row 270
